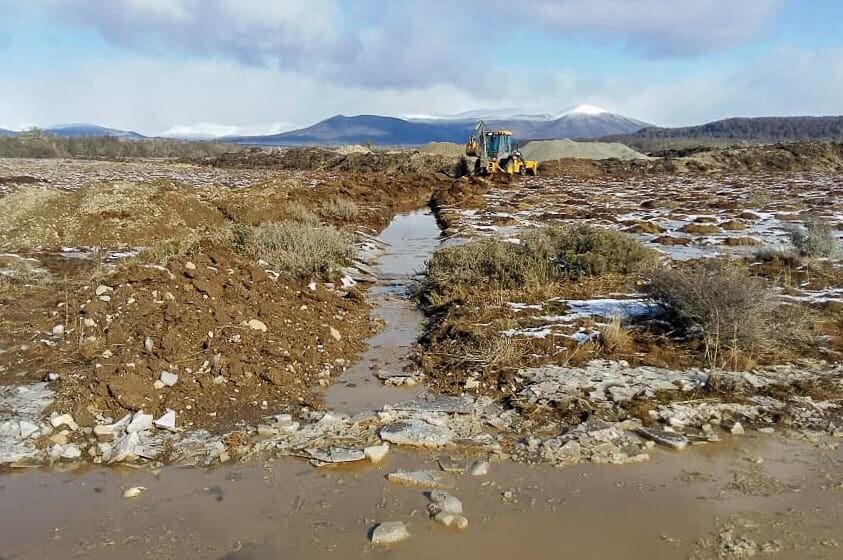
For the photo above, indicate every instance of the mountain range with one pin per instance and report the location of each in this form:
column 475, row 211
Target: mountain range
column 583, row 122
column 82, row 130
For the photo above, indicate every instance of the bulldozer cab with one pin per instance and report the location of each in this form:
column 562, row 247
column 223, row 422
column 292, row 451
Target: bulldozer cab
column 499, row 143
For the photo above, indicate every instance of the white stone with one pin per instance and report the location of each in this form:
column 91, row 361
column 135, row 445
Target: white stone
column 169, row 378
column 447, row 502
column 737, row 429
column 335, row 334
column 453, row 520
column 88, row 322
column 480, row 468
column 158, row 384
column 126, row 449
column 28, row 429
column 148, row 344
column 390, row 532
column 140, row 423
column 58, row 330
column 71, row 451
column 189, row 266
column 102, row 290
column 104, row 433
column 257, row 325
column 167, row 421
column 423, row 479
column 133, row 492
column 64, row 420
column 376, row 453
column 105, row 298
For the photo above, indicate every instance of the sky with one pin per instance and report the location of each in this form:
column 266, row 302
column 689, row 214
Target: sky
column 263, row 66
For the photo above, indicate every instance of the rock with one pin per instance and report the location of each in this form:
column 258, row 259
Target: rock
column 453, row 520
column 71, row 451
column 133, row 492
column 28, row 429
column 450, row 465
column 103, row 290
column 335, row 455
column 447, row 502
column 335, row 334
column 59, row 439
column 126, row 449
column 88, row 322
column 480, row 468
column 735, row 428
column 669, row 439
column 140, row 422
column 257, row 325
column 58, row 331
column 417, row 433
column 376, row 453
column 390, row 532
column 472, row 383
column 148, row 344
column 167, row 421
column 169, row 378
column 189, row 266
column 105, row 298
column 59, row 420
column 438, row 403
column 266, row 431
column 423, row 479
column 104, row 433
column 158, row 384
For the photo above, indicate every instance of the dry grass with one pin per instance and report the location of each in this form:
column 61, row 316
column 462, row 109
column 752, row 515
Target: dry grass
column 815, row 239
column 298, row 212
column 341, row 209
column 300, row 250
column 614, row 337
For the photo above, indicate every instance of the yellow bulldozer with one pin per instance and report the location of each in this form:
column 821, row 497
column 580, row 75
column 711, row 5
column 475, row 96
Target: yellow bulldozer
column 495, row 153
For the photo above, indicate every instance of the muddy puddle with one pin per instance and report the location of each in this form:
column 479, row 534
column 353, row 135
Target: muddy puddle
column 408, row 242
column 704, row 503
column 754, row 495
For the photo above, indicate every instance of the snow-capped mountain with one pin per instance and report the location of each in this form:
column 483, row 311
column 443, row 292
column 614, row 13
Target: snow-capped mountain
column 580, row 122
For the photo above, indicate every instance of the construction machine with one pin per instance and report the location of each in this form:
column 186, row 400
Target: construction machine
column 495, row 153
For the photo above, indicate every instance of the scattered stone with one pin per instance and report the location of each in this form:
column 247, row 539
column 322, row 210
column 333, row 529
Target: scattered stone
column 335, row 334
column 376, row 453
column 480, row 468
column 66, row 420
column 167, row 421
column 133, row 492
column 101, row 290
column 71, row 451
column 58, row 331
column 169, row 378
column 334, row 455
column 148, row 344
column 450, row 465
column 257, row 325
column 28, row 429
column 189, row 266
column 158, row 384
column 390, row 532
column 140, row 422
column 418, row 433
column 452, row 520
column 662, row 437
column 445, row 501
column 127, row 449
column 104, row 433
column 423, row 479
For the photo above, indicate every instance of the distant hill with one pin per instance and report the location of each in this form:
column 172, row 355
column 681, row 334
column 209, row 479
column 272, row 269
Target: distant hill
column 735, row 131
column 6, row 132
column 91, row 130
column 584, row 122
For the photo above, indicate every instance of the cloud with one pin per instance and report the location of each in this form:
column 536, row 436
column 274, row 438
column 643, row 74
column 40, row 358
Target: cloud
column 657, row 27
column 411, row 43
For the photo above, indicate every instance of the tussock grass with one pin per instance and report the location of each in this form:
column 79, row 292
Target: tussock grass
column 298, row 212
column 614, row 337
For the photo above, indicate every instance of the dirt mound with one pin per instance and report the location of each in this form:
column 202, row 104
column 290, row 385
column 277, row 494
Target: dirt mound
column 118, row 214
column 240, row 342
column 449, row 149
column 547, row 150
column 325, row 159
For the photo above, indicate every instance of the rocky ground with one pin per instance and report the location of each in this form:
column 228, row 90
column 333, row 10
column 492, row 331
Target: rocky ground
column 140, row 325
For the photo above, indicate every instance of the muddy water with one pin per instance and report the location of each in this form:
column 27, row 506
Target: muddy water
column 409, row 241
column 780, row 495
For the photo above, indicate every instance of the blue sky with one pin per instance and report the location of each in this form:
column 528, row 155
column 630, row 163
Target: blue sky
column 231, row 66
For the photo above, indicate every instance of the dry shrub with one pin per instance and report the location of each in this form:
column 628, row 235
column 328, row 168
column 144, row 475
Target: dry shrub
column 342, row 209
column 737, row 315
column 298, row 212
column 300, row 250
column 614, row 337
column 160, row 252
column 548, row 255
column 780, row 256
column 815, row 239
